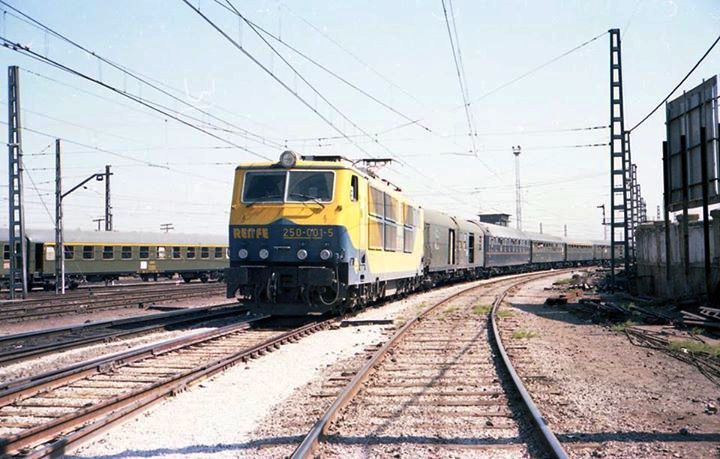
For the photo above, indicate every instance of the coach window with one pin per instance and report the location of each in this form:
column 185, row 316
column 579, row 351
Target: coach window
column 190, row 253
column 218, row 252
column 204, row 252
column 161, row 253
column 108, row 252
column 88, row 252
column 126, row 252
column 176, row 254
column 6, row 252
column 144, row 252
column 69, row 252
column 354, row 188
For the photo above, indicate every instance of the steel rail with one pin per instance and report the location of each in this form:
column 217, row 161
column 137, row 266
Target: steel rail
column 551, row 442
column 21, row 311
column 320, row 428
column 71, row 337
column 90, row 420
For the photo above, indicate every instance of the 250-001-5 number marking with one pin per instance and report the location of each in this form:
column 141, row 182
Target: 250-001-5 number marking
column 307, row 233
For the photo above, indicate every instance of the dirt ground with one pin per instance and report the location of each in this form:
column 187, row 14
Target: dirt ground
column 603, row 396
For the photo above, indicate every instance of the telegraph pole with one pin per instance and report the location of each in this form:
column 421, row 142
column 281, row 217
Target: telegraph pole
column 98, row 221
column 166, row 227
column 604, row 222
column 108, row 207
column 565, row 230
column 518, row 210
column 541, row 228
column 59, row 241
column 16, row 222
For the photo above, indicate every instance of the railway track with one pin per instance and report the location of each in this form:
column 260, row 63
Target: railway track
column 45, row 415
column 23, row 346
column 93, row 301
column 443, row 384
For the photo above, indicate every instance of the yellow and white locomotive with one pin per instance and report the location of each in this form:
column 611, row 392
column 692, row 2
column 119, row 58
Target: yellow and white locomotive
column 316, row 234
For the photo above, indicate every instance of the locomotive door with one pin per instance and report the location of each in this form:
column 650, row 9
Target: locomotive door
column 451, row 247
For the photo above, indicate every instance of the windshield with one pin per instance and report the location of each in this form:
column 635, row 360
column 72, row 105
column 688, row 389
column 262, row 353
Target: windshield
column 264, row 186
column 308, row 185
column 270, row 186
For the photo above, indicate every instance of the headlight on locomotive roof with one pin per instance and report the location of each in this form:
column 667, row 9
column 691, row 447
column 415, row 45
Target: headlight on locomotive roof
column 302, row 254
column 325, row 254
column 242, row 254
column 264, row 254
column 288, row 159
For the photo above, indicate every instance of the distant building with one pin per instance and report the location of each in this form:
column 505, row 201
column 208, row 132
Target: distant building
column 495, row 219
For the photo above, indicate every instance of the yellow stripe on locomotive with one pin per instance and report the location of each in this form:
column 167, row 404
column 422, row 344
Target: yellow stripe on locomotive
column 317, row 234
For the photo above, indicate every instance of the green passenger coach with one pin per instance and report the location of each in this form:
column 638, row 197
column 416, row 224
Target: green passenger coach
column 95, row 256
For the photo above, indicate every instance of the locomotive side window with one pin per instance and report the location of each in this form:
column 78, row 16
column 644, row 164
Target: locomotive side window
column 377, row 203
column 265, row 186
column 204, row 252
column 410, row 218
column 310, row 186
column 88, row 252
column 354, row 188
column 144, row 252
column 126, row 252
column 108, row 252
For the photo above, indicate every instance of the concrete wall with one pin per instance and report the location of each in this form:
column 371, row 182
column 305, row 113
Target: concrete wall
column 651, row 267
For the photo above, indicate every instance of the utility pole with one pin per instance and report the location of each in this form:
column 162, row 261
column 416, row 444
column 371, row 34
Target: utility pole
column 518, row 205
column 59, row 242
column 565, row 230
column 541, row 228
column 657, row 215
column 604, row 223
column 108, row 207
column 98, row 221
column 166, row 227
column 619, row 163
column 16, row 222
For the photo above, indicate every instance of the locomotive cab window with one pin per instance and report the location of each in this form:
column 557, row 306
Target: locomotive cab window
column 108, row 252
column 88, row 252
column 268, row 186
column 126, row 252
column 310, row 186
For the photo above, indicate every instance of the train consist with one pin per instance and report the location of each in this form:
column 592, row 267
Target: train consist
column 95, row 256
column 317, row 234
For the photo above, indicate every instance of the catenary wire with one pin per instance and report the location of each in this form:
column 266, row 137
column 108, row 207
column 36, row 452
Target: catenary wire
column 460, row 71
column 694, row 67
column 133, row 74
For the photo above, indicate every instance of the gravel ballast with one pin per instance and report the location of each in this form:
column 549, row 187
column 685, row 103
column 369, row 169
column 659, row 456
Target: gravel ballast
column 603, row 396
column 216, row 419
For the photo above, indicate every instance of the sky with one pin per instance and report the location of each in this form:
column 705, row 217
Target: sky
column 397, row 52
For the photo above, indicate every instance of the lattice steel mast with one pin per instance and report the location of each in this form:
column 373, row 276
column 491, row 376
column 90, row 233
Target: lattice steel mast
column 16, row 224
column 620, row 220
